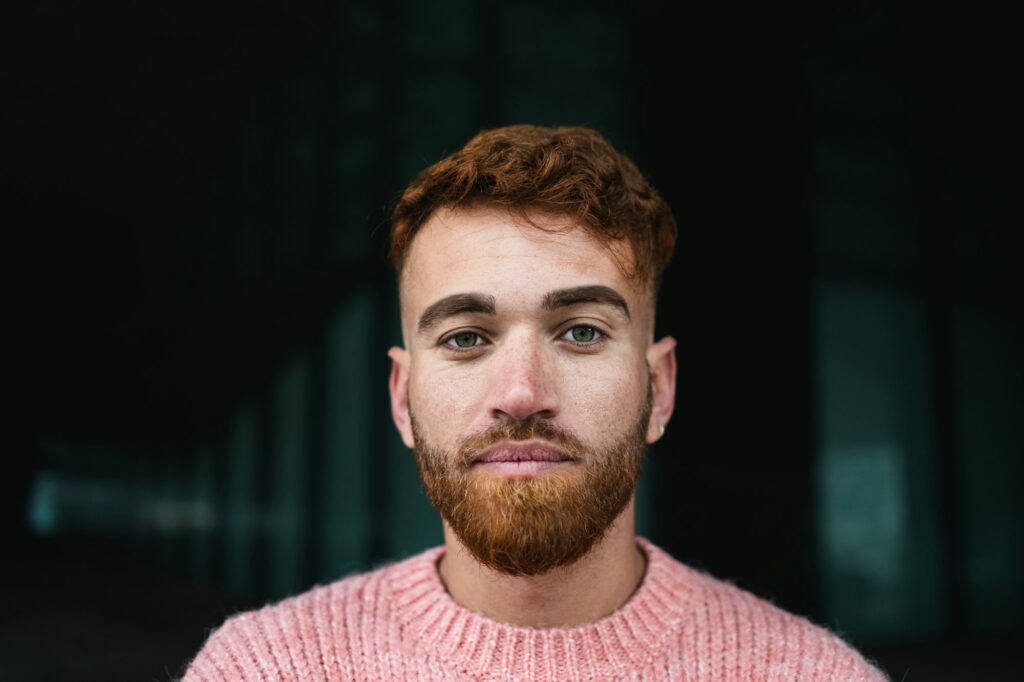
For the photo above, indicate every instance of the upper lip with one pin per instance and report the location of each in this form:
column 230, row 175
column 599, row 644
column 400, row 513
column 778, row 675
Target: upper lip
column 507, row 451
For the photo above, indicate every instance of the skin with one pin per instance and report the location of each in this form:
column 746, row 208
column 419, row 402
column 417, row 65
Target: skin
column 524, row 362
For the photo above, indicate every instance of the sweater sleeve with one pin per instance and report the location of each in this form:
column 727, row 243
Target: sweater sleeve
column 831, row 658
column 234, row 652
column 852, row 666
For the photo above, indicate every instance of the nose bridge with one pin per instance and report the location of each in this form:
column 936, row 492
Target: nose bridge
column 522, row 380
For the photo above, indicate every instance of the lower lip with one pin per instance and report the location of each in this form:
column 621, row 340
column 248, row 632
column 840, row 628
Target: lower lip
column 524, row 468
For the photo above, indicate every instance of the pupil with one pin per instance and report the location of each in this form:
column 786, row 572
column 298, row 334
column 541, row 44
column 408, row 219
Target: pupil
column 583, row 334
column 465, row 340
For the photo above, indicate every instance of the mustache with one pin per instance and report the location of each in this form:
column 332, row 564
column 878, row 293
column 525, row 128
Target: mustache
column 520, row 430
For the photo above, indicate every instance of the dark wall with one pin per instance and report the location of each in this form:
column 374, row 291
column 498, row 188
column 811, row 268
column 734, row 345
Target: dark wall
column 198, row 199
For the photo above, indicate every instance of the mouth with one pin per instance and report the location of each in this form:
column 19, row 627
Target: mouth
column 521, row 458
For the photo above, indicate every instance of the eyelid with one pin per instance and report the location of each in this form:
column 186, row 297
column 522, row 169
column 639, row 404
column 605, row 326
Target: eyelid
column 443, row 343
column 602, row 335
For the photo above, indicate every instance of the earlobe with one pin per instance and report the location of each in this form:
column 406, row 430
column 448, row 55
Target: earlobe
column 398, row 386
column 661, row 360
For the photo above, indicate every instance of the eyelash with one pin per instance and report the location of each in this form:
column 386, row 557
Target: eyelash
column 601, row 337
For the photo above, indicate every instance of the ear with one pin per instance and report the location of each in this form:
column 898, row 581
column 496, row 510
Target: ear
column 661, row 359
column 398, row 385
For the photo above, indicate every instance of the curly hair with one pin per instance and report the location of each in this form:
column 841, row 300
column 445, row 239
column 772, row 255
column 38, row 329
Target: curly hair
column 570, row 171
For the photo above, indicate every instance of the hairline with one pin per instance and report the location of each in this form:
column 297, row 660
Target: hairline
column 646, row 282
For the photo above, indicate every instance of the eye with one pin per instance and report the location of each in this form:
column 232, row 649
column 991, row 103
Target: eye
column 463, row 340
column 584, row 335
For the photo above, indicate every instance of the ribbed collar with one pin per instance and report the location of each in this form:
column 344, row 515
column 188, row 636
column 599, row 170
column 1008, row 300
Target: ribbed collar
column 626, row 640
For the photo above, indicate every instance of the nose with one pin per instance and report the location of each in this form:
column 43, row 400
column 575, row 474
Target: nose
column 522, row 381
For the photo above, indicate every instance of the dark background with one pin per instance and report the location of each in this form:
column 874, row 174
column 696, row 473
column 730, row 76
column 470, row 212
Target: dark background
column 197, row 213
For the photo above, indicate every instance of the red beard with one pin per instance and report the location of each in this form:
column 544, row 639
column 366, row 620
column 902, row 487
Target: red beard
column 530, row 525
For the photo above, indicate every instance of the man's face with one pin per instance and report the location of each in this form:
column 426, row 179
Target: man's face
column 527, row 385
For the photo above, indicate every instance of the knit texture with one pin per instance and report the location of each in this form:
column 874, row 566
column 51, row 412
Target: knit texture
column 399, row 623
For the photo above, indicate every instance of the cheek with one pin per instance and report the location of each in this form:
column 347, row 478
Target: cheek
column 444, row 404
column 598, row 396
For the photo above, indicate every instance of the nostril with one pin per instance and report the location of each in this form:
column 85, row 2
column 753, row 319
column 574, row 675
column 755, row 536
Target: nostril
column 501, row 415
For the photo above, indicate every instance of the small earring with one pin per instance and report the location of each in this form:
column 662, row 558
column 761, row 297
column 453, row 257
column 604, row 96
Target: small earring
column 662, row 433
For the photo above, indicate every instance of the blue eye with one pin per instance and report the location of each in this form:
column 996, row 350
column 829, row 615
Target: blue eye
column 583, row 335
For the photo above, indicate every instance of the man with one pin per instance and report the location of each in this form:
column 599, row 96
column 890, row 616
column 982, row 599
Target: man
column 528, row 387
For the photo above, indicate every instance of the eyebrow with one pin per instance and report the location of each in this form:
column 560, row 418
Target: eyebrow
column 456, row 304
column 594, row 293
column 463, row 304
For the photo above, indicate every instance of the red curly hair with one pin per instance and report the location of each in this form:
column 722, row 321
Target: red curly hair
column 571, row 171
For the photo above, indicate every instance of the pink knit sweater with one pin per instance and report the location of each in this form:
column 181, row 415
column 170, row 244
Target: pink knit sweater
column 399, row 623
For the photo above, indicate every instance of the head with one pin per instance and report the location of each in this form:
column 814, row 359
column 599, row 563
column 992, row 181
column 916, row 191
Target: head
column 530, row 382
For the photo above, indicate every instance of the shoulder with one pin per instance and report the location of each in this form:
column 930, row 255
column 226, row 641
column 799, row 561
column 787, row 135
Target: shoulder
column 729, row 626
column 301, row 637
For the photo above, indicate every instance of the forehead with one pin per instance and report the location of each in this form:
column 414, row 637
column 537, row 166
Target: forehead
column 487, row 250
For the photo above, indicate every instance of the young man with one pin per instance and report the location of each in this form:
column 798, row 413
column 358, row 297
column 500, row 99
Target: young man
column 529, row 386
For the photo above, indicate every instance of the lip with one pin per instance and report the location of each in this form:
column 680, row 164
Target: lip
column 521, row 452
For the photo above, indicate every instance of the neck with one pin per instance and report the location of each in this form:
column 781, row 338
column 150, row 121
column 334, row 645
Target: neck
column 583, row 592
